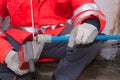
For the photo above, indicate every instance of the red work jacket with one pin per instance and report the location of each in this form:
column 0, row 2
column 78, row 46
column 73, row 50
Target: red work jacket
column 46, row 12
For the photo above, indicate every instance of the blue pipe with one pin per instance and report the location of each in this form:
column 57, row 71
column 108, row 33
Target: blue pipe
column 99, row 37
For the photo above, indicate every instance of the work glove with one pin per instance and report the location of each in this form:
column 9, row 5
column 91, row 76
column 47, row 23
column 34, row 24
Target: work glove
column 12, row 62
column 29, row 51
column 83, row 34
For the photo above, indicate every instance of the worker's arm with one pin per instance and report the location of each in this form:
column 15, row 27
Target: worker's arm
column 88, row 21
column 86, row 9
column 19, row 61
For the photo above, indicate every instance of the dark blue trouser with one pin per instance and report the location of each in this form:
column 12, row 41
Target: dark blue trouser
column 73, row 60
column 6, row 74
column 72, row 63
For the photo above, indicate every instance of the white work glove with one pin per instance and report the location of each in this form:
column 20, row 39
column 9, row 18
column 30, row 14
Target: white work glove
column 83, row 34
column 30, row 53
column 12, row 63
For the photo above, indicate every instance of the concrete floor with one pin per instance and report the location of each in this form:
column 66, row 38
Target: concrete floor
column 99, row 69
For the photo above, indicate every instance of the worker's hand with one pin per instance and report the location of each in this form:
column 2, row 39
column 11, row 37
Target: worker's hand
column 29, row 51
column 83, row 34
column 12, row 62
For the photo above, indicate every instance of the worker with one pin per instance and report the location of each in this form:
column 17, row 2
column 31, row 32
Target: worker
column 29, row 18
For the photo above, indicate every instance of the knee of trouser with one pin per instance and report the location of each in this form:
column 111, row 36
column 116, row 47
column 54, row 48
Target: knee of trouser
column 77, row 53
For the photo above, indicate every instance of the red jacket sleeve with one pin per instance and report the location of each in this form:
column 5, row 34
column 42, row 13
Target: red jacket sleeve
column 85, row 9
column 5, row 47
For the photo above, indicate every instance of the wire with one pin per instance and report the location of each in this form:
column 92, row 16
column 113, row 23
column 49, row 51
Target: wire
column 32, row 17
